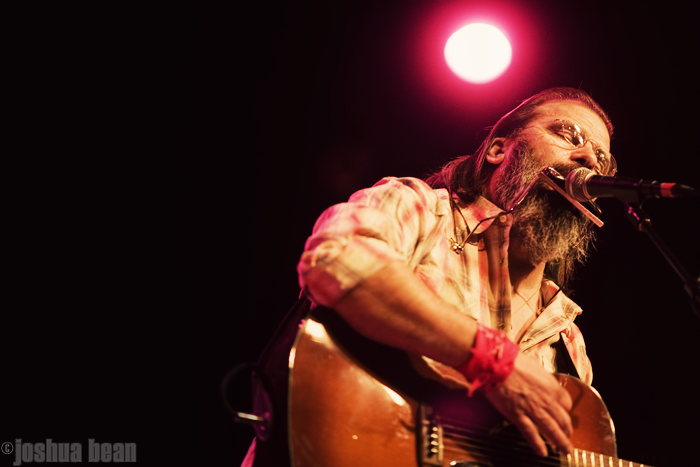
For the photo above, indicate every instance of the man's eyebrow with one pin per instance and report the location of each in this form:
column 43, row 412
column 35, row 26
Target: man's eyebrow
column 587, row 134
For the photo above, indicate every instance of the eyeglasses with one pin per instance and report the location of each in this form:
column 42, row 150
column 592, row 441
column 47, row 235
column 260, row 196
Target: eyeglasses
column 571, row 132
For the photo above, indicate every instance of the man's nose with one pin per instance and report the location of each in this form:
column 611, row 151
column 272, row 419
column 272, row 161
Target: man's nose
column 585, row 156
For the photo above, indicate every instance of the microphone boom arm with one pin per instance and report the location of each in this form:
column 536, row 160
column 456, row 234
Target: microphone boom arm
column 642, row 223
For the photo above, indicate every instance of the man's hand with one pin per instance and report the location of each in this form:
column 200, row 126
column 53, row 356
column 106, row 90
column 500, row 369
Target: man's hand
column 533, row 401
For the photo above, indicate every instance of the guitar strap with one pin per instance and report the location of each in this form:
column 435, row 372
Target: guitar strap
column 272, row 369
column 564, row 363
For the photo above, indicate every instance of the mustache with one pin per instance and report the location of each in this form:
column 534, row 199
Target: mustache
column 522, row 183
column 564, row 169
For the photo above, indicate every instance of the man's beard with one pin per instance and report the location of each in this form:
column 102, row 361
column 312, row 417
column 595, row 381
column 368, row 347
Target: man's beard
column 548, row 226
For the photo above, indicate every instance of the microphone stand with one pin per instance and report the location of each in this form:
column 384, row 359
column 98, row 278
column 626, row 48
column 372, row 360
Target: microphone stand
column 640, row 220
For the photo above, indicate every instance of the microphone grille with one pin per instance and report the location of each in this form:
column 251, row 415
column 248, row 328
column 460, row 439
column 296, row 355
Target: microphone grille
column 576, row 184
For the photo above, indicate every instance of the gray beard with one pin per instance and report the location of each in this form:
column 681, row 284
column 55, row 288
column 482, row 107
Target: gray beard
column 549, row 227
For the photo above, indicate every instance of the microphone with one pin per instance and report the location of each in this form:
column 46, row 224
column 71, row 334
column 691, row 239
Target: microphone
column 583, row 185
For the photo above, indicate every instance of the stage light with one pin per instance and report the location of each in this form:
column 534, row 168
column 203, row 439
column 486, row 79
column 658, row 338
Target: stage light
column 478, row 53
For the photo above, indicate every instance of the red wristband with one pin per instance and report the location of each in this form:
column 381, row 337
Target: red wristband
column 492, row 360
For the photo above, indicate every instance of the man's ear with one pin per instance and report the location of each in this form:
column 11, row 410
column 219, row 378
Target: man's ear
column 496, row 152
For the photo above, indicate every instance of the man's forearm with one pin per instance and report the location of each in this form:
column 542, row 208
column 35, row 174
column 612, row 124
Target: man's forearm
column 395, row 307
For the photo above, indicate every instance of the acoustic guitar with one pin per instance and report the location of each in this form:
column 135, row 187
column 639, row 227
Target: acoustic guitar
column 356, row 403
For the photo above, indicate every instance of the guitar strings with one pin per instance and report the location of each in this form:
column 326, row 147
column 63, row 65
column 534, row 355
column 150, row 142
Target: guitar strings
column 499, row 457
column 494, row 452
column 512, row 437
column 476, row 442
column 517, row 446
column 517, row 449
column 488, row 451
column 456, row 427
column 510, row 455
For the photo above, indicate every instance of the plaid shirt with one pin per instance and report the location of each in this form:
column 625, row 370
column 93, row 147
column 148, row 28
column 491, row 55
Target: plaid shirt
column 405, row 219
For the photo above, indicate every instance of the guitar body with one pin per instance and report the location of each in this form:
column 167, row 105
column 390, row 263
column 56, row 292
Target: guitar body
column 353, row 402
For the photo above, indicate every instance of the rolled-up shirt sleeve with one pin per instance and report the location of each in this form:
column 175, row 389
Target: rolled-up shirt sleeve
column 353, row 240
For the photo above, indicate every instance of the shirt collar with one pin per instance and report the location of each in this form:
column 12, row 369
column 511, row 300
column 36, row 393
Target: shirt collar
column 477, row 211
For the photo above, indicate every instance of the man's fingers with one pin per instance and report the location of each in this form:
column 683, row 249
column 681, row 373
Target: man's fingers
column 555, row 433
column 561, row 416
column 551, row 416
column 561, row 409
column 531, row 435
column 564, row 398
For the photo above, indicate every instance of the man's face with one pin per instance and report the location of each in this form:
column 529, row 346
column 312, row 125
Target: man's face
column 548, row 226
column 544, row 143
column 551, row 145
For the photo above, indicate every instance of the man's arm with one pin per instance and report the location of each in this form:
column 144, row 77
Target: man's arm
column 394, row 307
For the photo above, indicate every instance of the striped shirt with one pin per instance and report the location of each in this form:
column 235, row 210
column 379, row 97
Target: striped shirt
column 405, row 219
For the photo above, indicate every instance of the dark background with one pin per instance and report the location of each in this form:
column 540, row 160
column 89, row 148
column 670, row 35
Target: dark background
column 163, row 164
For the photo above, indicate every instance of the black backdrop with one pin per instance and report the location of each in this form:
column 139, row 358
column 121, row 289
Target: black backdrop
column 163, row 164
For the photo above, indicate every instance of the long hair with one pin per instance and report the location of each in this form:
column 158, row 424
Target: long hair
column 467, row 176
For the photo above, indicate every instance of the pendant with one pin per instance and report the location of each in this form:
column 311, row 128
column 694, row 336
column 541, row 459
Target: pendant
column 456, row 247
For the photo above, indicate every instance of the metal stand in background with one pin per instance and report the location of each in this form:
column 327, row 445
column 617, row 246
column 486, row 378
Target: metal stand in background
column 641, row 221
column 583, row 185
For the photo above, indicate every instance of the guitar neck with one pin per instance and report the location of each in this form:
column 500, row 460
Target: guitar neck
column 581, row 458
column 446, row 440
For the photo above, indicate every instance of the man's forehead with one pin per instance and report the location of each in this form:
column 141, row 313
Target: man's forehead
column 591, row 124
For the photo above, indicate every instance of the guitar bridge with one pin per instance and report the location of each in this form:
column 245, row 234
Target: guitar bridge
column 430, row 447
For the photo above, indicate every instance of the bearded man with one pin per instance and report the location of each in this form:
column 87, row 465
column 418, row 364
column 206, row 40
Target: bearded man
column 450, row 269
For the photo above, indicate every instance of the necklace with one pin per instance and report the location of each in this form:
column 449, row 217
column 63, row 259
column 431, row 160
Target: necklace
column 456, row 246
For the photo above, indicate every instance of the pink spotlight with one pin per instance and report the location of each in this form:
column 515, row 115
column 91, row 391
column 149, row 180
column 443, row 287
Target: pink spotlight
column 478, row 53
